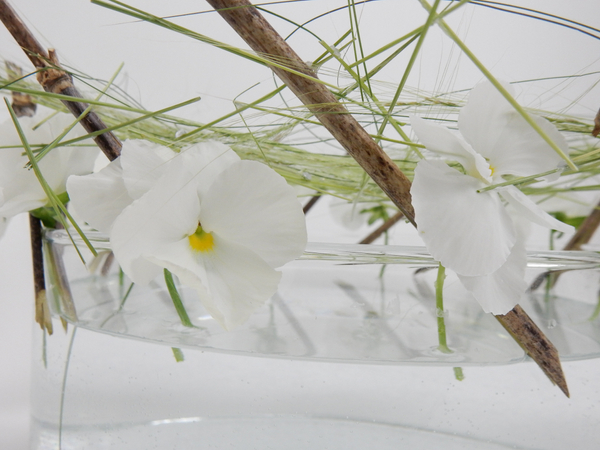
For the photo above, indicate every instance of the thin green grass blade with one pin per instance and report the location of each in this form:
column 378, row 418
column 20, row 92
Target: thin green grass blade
column 410, row 65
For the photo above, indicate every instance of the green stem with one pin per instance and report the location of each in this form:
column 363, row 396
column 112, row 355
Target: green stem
column 178, row 354
column 183, row 315
column 439, row 309
column 458, row 373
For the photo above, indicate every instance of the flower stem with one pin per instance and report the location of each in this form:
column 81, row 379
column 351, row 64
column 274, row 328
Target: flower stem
column 458, row 374
column 183, row 315
column 178, row 354
column 439, row 307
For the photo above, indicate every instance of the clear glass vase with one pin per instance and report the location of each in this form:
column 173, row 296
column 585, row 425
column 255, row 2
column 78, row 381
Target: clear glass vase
column 344, row 356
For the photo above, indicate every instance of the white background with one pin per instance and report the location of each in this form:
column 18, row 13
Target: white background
column 164, row 68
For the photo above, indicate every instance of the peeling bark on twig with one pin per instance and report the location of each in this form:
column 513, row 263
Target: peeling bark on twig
column 22, row 104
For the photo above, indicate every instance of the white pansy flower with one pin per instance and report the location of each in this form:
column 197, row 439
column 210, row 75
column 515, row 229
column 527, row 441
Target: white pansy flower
column 20, row 190
column 473, row 233
column 222, row 225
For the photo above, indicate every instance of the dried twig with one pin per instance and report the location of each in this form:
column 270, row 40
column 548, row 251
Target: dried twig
column 42, row 313
column 53, row 79
column 585, row 231
column 313, row 200
column 383, row 228
column 536, row 344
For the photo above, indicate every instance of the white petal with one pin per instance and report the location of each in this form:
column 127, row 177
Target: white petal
column 467, row 232
column 499, row 133
column 206, row 161
column 251, row 205
column 483, row 118
column 62, row 162
column 531, row 211
column 500, row 291
column 164, row 215
column 21, row 189
column 238, row 280
column 100, row 197
column 521, row 151
column 443, row 142
column 143, row 164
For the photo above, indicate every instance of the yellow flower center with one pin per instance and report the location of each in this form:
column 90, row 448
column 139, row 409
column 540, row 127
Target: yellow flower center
column 201, row 241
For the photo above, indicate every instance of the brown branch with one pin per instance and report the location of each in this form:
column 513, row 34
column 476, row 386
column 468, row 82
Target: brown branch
column 42, row 312
column 585, row 231
column 383, row 228
column 262, row 38
column 313, row 200
column 535, row 344
column 53, row 79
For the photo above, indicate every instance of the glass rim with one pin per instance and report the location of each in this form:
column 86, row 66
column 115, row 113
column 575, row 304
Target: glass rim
column 344, row 253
